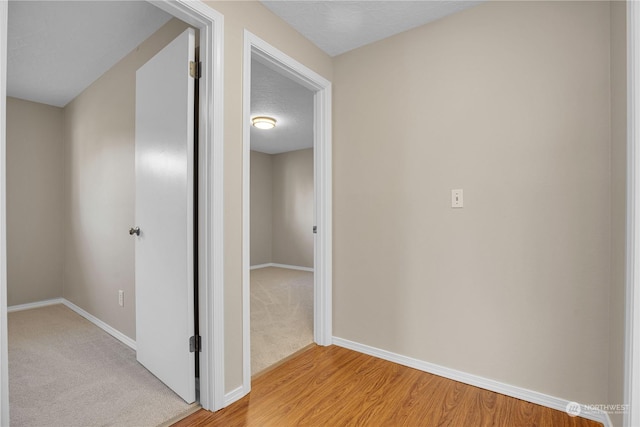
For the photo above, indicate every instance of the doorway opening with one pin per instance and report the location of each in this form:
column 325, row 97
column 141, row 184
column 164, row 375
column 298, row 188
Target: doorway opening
column 264, row 59
column 209, row 216
column 281, row 217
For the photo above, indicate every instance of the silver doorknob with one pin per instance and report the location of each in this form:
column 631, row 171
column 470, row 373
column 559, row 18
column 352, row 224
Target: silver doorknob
column 134, row 230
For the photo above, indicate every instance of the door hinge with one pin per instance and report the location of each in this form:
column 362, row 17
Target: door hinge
column 194, row 69
column 195, row 344
column 315, row 229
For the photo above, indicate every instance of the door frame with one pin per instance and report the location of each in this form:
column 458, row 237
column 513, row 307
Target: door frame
column 277, row 60
column 632, row 315
column 210, row 23
column 4, row 351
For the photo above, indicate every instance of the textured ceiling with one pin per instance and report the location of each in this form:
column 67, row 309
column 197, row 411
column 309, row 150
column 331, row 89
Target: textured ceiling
column 56, row 49
column 337, row 26
column 289, row 103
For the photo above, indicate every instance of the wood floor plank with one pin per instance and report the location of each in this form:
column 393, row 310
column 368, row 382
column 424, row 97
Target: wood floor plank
column 333, row 386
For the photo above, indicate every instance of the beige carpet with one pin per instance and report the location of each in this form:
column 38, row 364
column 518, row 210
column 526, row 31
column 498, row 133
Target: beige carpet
column 281, row 314
column 65, row 371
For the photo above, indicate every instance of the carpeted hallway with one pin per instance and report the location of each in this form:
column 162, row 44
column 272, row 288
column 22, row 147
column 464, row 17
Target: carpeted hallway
column 281, row 314
column 65, row 371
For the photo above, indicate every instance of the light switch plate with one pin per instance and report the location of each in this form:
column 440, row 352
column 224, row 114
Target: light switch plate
column 457, row 200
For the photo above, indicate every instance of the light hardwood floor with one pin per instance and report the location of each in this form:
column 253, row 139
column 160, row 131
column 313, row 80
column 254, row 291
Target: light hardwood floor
column 333, row 386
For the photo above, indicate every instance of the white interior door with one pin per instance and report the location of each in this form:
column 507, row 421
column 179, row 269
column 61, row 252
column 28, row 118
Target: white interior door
column 164, row 214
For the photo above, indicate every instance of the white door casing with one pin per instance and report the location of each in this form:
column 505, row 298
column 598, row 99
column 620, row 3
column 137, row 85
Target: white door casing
column 632, row 316
column 4, row 351
column 164, row 206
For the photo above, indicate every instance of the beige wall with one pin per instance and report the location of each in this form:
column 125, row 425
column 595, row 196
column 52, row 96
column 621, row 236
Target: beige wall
column 282, row 208
column 510, row 102
column 261, row 208
column 34, row 202
column 100, row 183
column 293, row 208
column 618, row 204
column 260, row 21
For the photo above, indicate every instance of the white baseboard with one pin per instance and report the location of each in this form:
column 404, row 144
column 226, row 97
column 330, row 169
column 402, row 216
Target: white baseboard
column 255, row 267
column 274, row 264
column 100, row 324
column 31, row 305
column 474, row 380
column 234, row 395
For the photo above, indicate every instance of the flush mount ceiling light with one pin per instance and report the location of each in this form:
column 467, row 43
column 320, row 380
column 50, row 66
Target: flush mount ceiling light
column 264, row 122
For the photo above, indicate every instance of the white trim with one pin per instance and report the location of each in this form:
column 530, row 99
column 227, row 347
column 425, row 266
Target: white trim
column 254, row 47
column 258, row 266
column 100, row 324
column 246, row 217
column 234, row 395
column 292, row 267
column 38, row 304
column 4, row 347
column 275, row 264
column 632, row 319
column 211, row 194
column 323, row 261
column 474, row 380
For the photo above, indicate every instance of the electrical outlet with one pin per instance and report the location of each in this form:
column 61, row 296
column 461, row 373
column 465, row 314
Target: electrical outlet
column 121, row 298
